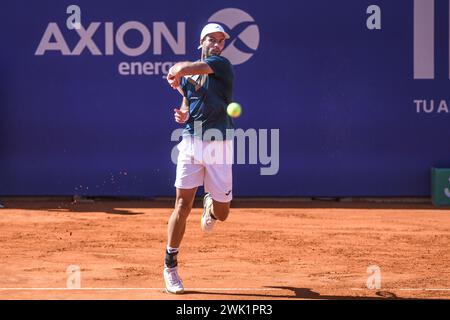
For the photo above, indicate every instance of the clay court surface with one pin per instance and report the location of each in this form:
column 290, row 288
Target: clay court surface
column 266, row 250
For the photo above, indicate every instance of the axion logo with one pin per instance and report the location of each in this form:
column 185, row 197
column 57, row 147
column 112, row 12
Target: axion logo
column 114, row 36
column 106, row 38
column 243, row 31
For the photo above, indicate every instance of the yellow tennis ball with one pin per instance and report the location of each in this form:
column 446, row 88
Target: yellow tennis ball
column 234, row 109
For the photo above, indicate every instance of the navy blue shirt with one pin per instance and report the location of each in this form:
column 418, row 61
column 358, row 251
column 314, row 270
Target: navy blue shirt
column 208, row 96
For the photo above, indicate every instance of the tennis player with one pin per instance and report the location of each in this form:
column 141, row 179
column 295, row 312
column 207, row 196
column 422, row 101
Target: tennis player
column 207, row 87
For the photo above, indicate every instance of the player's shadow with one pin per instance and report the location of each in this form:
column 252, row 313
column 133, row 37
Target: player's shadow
column 302, row 293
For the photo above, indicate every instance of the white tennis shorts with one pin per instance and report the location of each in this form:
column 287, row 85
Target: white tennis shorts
column 207, row 163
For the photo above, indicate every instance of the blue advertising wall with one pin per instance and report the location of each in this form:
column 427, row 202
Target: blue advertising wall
column 342, row 96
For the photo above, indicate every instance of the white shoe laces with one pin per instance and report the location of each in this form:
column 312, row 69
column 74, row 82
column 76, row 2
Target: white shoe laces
column 174, row 278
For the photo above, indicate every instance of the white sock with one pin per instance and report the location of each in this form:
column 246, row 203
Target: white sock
column 171, row 250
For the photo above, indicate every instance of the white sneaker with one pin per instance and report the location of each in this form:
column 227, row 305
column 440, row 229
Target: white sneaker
column 207, row 221
column 173, row 281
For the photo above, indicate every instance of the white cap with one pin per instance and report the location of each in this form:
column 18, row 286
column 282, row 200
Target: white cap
column 211, row 28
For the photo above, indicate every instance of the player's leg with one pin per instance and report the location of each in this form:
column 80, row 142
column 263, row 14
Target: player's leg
column 176, row 227
column 177, row 221
column 213, row 211
column 220, row 210
column 189, row 176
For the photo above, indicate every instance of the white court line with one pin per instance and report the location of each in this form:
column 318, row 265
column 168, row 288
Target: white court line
column 426, row 289
column 204, row 289
column 138, row 289
column 404, row 289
